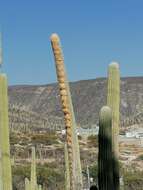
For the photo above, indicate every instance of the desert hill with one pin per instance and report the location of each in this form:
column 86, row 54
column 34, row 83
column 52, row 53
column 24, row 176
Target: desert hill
column 88, row 97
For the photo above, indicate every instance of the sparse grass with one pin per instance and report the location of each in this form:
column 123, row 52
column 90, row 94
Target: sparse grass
column 47, row 139
column 133, row 180
column 140, row 157
column 49, row 176
column 92, row 140
column 14, row 138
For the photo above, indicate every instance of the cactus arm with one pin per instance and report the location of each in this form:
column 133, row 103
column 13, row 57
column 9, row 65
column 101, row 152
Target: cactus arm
column 64, row 99
column 27, row 184
column 1, row 185
column 1, row 182
column 113, row 101
column 105, row 175
column 71, row 136
column 67, row 173
column 33, row 171
column 1, row 57
column 39, row 187
column 4, row 135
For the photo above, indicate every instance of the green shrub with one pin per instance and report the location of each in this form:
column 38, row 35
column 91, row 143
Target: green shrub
column 140, row 157
column 14, row 138
column 47, row 139
column 92, row 140
column 49, row 176
column 133, row 180
column 93, row 170
column 23, row 171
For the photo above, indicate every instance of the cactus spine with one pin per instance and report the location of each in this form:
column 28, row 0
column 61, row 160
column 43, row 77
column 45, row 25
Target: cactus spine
column 105, row 175
column 71, row 136
column 113, row 101
column 33, row 182
column 4, row 135
column 67, row 174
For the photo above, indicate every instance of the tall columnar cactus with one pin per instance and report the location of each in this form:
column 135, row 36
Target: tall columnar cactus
column 1, row 182
column 113, row 101
column 33, row 181
column 4, row 136
column 67, row 174
column 105, row 174
column 0, row 49
column 0, row 147
column 27, row 184
column 39, row 187
column 71, row 136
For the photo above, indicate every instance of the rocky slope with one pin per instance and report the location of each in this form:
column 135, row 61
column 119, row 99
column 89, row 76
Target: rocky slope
column 88, row 97
column 39, row 106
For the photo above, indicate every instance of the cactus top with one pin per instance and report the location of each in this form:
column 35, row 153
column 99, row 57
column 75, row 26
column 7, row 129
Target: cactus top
column 114, row 65
column 55, row 37
column 3, row 75
column 105, row 111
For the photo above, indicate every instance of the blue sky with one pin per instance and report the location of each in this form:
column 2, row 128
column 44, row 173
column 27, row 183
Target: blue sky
column 93, row 33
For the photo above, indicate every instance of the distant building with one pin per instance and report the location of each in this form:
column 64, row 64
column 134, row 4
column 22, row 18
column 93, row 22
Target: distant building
column 130, row 134
column 139, row 135
column 84, row 132
column 134, row 134
column 63, row 132
column 88, row 131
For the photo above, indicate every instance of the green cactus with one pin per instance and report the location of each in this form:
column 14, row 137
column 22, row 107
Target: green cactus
column 4, row 136
column 105, row 174
column 13, row 161
column 0, row 148
column 1, row 182
column 33, row 181
column 70, row 124
column 113, row 101
column 1, row 49
column 27, row 184
column 67, row 174
column 39, row 187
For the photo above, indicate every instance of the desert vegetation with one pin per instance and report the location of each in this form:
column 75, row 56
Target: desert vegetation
column 37, row 169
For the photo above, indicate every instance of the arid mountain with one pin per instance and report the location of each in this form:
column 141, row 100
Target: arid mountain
column 35, row 107
column 88, row 97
